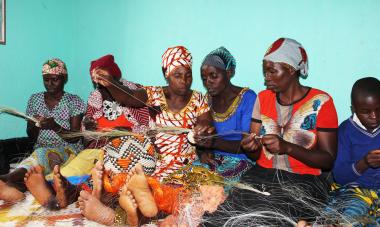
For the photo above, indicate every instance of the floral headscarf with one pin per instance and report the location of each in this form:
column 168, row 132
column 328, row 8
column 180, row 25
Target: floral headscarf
column 54, row 66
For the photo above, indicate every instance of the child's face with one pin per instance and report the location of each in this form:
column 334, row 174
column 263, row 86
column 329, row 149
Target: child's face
column 368, row 111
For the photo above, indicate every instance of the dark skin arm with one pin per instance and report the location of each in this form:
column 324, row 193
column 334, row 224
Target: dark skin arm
column 50, row 124
column 203, row 127
column 122, row 94
column 322, row 157
column 371, row 160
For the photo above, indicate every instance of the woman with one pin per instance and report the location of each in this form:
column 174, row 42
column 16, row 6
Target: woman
column 58, row 112
column 104, row 112
column 175, row 105
column 293, row 138
column 231, row 109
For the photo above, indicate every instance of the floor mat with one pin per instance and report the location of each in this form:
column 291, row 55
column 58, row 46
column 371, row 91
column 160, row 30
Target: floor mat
column 30, row 213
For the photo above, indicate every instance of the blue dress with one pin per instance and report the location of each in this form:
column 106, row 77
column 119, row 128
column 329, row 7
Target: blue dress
column 229, row 126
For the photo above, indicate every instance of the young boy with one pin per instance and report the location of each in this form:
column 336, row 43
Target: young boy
column 357, row 165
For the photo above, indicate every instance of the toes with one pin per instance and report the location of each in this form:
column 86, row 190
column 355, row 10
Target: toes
column 32, row 170
column 38, row 169
column 99, row 165
column 84, row 195
column 139, row 169
column 81, row 205
column 56, row 169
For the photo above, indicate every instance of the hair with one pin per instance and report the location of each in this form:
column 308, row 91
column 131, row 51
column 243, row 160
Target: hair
column 367, row 86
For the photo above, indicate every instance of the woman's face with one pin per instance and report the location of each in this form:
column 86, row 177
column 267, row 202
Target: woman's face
column 214, row 79
column 54, row 83
column 180, row 80
column 277, row 76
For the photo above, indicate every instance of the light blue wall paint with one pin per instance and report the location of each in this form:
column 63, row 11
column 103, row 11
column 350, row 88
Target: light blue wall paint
column 340, row 38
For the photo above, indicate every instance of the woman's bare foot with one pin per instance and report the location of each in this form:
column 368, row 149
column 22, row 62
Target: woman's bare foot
column 9, row 193
column 37, row 185
column 128, row 203
column 303, row 224
column 66, row 193
column 94, row 210
column 139, row 187
column 97, row 178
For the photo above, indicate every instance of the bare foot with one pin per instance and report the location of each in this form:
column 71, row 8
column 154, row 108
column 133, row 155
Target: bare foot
column 94, row 210
column 37, row 185
column 66, row 193
column 303, row 224
column 128, row 203
column 139, row 187
column 9, row 193
column 97, row 177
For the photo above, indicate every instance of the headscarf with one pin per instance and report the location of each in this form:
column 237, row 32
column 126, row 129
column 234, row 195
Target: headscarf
column 174, row 57
column 220, row 58
column 106, row 62
column 291, row 52
column 54, row 66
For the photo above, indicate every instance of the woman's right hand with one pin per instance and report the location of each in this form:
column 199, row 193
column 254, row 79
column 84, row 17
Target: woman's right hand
column 102, row 77
column 89, row 124
column 250, row 143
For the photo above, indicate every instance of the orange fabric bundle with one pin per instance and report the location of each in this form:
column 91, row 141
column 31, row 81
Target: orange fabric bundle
column 166, row 197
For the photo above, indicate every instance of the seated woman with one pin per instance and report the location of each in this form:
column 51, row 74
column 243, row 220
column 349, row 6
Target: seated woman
column 104, row 112
column 175, row 105
column 293, row 139
column 58, row 112
column 99, row 116
column 231, row 109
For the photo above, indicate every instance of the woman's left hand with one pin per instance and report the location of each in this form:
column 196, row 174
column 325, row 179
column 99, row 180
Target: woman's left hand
column 48, row 123
column 202, row 135
column 275, row 144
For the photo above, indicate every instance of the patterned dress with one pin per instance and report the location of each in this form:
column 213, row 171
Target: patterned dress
column 174, row 151
column 49, row 141
column 110, row 114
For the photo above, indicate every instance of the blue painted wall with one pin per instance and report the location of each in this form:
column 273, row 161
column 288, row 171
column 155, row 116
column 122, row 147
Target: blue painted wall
column 340, row 38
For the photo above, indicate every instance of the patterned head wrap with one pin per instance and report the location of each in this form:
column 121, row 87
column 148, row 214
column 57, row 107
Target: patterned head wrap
column 291, row 52
column 174, row 57
column 54, row 66
column 220, row 58
column 106, row 62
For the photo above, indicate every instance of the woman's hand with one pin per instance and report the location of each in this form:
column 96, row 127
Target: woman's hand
column 102, row 77
column 275, row 144
column 250, row 143
column 48, row 123
column 206, row 157
column 90, row 124
column 203, row 135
